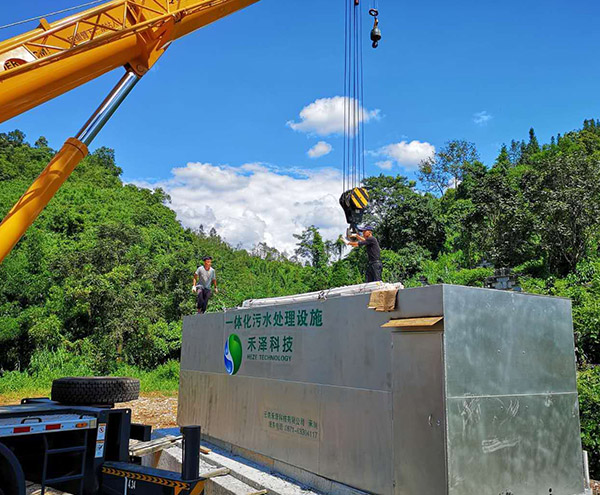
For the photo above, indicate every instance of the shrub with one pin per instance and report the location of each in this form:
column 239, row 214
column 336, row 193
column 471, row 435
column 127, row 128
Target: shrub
column 588, row 385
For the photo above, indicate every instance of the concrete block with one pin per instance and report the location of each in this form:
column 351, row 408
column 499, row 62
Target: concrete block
column 220, row 485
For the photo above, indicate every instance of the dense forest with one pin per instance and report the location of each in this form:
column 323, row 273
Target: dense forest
column 102, row 279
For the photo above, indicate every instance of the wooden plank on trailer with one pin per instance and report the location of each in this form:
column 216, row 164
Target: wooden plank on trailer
column 140, row 449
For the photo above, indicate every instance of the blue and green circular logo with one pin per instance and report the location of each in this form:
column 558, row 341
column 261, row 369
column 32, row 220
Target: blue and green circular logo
column 233, row 354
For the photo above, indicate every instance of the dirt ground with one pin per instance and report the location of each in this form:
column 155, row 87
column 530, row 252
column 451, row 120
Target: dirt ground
column 160, row 412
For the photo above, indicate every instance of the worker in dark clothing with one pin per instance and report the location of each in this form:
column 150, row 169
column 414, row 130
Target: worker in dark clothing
column 374, row 266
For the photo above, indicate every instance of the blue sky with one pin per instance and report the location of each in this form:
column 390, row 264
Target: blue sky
column 225, row 95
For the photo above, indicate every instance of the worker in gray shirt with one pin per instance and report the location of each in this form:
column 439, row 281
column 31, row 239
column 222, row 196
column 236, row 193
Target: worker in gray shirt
column 203, row 278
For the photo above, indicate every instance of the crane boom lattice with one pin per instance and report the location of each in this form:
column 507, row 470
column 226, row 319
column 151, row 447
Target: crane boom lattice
column 57, row 57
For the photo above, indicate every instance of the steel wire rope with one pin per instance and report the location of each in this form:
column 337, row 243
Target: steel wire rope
column 354, row 167
column 355, row 133
column 348, row 94
column 361, row 106
column 345, row 95
column 37, row 18
column 353, row 130
column 347, row 71
column 356, row 129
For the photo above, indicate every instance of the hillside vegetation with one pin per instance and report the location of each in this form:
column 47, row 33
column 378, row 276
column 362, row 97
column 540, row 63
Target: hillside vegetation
column 101, row 281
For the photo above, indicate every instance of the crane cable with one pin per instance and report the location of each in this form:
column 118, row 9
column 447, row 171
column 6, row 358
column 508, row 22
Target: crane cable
column 355, row 198
column 51, row 14
column 354, row 93
column 354, row 163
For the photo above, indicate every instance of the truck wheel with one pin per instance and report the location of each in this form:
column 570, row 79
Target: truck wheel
column 102, row 390
column 11, row 473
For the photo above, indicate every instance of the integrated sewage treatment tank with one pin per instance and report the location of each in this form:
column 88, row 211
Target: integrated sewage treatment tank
column 458, row 391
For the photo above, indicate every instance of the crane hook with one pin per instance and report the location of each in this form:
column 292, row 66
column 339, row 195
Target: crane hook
column 375, row 32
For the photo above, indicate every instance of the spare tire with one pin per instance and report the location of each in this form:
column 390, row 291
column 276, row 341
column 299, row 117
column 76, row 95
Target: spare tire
column 101, row 390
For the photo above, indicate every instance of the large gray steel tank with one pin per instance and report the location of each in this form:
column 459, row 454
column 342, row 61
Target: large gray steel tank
column 469, row 392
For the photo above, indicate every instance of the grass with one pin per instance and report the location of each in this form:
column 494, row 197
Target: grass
column 163, row 380
column 47, row 366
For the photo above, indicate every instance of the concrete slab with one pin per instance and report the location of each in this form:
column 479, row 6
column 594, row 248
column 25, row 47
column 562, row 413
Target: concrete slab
column 219, row 485
column 245, row 477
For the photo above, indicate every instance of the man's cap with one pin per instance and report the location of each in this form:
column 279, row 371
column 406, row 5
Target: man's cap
column 367, row 227
column 206, row 258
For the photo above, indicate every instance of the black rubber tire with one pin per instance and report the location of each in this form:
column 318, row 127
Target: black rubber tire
column 102, row 390
column 11, row 473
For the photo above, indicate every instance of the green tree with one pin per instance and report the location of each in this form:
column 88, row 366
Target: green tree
column 448, row 166
column 42, row 142
column 514, row 152
column 563, row 191
column 498, row 224
column 503, row 160
column 533, row 146
column 402, row 216
column 312, row 248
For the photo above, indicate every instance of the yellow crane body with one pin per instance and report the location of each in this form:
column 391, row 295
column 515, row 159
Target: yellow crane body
column 57, row 57
column 27, row 209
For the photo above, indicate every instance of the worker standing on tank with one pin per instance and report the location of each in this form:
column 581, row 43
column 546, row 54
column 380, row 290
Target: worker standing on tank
column 203, row 278
column 374, row 266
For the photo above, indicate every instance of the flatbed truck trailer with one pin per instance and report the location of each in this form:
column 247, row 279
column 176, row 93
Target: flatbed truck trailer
column 84, row 450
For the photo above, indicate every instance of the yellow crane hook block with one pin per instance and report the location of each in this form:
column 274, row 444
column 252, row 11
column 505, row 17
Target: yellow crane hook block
column 354, row 202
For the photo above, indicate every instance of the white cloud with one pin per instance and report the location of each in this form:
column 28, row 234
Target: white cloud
column 482, row 118
column 407, row 155
column 320, row 149
column 325, row 116
column 385, row 165
column 253, row 203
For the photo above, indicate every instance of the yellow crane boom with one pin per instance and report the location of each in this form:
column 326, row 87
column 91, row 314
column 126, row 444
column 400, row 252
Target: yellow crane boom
column 57, row 57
